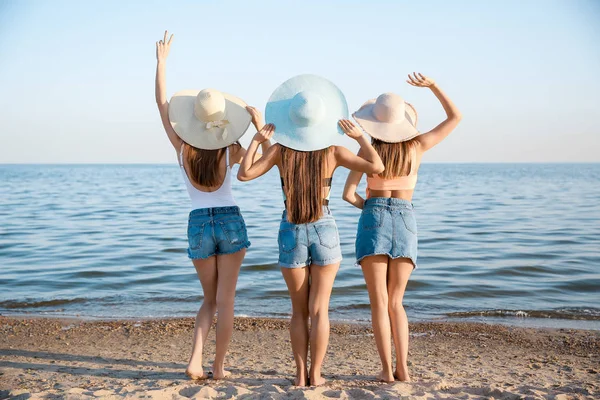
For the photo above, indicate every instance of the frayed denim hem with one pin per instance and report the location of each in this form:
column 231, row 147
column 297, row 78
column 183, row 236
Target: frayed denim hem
column 414, row 261
column 292, row 266
column 221, row 253
column 327, row 262
column 302, row 265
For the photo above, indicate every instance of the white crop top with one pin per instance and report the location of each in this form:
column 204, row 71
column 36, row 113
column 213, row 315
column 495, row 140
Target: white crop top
column 222, row 197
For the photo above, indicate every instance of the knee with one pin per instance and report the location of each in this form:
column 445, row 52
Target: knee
column 395, row 304
column 317, row 311
column 379, row 302
column 225, row 303
column 300, row 314
column 209, row 304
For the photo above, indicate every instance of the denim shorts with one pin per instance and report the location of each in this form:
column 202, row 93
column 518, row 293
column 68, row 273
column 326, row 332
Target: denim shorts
column 316, row 243
column 387, row 226
column 216, row 231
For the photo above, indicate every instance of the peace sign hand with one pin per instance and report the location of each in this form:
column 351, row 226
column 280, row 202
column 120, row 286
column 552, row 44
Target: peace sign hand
column 420, row 80
column 163, row 47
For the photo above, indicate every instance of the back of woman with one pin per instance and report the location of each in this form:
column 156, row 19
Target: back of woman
column 386, row 240
column 306, row 111
column 203, row 127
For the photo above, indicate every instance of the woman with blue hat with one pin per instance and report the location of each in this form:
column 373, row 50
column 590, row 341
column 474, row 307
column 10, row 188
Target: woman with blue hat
column 307, row 115
column 386, row 241
column 204, row 127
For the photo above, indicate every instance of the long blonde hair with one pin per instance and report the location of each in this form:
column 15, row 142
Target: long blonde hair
column 203, row 165
column 396, row 157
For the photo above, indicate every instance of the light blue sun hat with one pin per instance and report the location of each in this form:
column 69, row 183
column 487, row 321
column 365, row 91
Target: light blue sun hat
column 305, row 110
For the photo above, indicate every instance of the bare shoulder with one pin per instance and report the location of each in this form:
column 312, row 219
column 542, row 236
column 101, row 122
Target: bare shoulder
column 235, row 148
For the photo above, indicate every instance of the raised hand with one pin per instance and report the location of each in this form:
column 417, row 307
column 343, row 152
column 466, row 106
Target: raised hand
column 257, row 118
column 350, row 129
column 420, row 80
column 266, row 133
column 163, row 47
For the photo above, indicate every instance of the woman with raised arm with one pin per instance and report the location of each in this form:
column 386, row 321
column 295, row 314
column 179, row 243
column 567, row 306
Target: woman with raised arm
column 304, row 113
column 203, row 128
column 386, row 240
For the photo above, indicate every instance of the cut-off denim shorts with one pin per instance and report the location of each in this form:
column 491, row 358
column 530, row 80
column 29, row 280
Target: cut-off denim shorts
column 387, row 226
column 316, row 243
column 216, row 231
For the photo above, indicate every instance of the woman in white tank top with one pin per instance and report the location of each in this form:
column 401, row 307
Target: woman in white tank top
column 206, row 149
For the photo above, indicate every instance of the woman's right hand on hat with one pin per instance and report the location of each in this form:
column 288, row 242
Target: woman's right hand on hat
column 266, row 133
column 257, row 118
column 350, row 129
column 163, row 47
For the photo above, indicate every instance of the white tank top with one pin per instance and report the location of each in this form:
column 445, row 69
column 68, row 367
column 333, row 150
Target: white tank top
column 222, row 197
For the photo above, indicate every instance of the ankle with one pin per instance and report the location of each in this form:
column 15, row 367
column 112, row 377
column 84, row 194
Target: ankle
column 218, row 366
column 195, row 361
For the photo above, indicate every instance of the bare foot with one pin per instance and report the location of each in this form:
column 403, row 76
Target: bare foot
column 385, row 377
column 301, row 379
column 196, row 374
column 402, row 376
column 317, row 381
column 217, row 375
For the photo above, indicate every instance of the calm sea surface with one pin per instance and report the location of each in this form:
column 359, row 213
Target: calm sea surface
column 513, row 243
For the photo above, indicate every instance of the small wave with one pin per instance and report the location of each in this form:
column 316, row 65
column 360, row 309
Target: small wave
column 13, row 305
column 590, row 314
column 356, row 306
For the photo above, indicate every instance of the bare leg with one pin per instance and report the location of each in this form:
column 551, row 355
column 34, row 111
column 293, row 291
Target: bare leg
column 375, row 270
column 297, row 283
column 321, row 283
column 207, row 273
column 228, row 269
column 399, row 272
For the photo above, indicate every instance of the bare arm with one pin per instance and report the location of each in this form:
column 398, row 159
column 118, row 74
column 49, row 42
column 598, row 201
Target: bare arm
column 258, row 122
column 350, row 194
column 367, row 162
column 162, row 51
column 453, row 115
column 252, row 168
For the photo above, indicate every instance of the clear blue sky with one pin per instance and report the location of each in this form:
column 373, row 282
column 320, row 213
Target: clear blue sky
column 77, row 77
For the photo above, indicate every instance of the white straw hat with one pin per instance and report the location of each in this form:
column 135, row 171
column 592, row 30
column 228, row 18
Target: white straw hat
column 208, row 119
column 388, row 118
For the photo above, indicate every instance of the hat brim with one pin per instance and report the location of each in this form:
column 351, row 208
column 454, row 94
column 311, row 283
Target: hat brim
column 194, row 132
column 390, row 132
column 314, row 137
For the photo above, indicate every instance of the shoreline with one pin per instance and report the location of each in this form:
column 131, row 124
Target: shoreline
column 515, row 321
column 54, row 357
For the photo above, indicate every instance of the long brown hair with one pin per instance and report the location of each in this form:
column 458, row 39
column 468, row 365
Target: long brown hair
column 202, row 165
column 396, row 157
column 303, row 175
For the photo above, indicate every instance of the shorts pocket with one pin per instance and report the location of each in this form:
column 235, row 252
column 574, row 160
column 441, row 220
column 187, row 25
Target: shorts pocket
column 287, row 240
column 328, row 235
column 370, row 219
column 195, row 233
column 409, row 221
column 235, row 230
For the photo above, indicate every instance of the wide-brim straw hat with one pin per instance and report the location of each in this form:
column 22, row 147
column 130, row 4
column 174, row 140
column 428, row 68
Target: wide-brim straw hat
column 388, row 118
column 208, row 119
column 305, row 111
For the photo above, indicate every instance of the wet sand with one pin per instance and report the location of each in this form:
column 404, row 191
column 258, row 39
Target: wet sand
column 76, row 359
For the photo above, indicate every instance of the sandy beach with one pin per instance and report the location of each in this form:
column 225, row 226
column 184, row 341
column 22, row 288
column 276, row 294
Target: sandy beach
column 76, row 359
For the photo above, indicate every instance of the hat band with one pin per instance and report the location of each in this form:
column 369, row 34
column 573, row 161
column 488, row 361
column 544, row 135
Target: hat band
column 217, row 124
